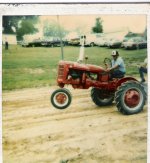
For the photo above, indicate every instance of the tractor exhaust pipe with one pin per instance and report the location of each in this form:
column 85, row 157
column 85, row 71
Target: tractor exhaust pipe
column 81, row 53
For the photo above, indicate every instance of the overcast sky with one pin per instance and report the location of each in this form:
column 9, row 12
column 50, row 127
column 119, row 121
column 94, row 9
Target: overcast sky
column 111, row 23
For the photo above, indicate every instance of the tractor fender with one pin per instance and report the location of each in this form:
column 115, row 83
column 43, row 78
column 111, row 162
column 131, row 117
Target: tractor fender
column 125, row 79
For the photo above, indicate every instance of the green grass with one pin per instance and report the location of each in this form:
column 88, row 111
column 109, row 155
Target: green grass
column 35, row 67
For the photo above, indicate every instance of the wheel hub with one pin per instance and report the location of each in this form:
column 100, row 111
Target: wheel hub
column 61, row 98
column 132, row 98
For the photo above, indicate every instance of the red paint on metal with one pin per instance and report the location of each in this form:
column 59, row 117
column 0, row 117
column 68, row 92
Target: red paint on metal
column 61, row 98
column 84, row 81
column 132, row 98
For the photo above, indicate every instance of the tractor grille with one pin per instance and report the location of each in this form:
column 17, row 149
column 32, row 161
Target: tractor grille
column 60, row 71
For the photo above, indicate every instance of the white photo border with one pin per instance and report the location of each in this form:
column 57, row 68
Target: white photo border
column 78, row 9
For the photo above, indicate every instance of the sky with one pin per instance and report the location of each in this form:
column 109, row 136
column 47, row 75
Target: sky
column 111, row 23
column 84, row 23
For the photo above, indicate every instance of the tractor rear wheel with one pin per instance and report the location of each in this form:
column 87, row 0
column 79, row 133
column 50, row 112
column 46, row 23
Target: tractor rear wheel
column 61, row 98
column 130, row 98
column 101, row 98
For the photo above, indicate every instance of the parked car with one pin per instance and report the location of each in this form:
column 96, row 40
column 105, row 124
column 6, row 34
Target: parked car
column 89, row 40
column 114, row 43
column 135, row 43
column 101, row 42
column 123, row 42
column 74, row 41
column 108, row 40
column 25, row 44
column 34, row 43
column 52, row 42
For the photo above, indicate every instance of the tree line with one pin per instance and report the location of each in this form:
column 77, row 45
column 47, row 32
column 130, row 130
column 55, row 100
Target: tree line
column 22, row 25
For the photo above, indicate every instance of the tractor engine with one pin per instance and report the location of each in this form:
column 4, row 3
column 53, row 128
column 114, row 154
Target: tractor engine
column 80, row 75
column 75, row 74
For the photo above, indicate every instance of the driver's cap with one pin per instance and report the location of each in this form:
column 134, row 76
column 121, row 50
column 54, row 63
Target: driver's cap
column 114, row 53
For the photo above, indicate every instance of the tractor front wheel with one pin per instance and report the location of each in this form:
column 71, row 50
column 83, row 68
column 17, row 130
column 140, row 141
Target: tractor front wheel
column 61, row 98
column 130, row 98
column 101, row 97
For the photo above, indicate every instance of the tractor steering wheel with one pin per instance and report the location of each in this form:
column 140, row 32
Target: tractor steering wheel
column 107, row 61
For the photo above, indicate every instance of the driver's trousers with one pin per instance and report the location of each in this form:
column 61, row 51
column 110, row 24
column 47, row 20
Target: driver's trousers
column 117, row 74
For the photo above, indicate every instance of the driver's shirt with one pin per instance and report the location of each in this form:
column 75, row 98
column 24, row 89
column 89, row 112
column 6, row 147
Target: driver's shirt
column 119, row 61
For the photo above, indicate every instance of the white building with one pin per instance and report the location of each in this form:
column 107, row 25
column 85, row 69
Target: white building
column 10, row 38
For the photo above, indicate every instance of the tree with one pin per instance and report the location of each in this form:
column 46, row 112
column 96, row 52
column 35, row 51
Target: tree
column 26, row 27
column 22, row 25
column 98, row 28
column 9, row 22
column 51, row 29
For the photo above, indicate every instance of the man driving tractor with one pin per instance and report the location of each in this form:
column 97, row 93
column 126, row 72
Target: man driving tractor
column 117, row 69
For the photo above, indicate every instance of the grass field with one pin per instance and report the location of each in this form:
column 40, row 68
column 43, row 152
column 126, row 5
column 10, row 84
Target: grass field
column 35, row 67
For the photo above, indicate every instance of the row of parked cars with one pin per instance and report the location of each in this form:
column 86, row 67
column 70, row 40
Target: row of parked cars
column 127, row 43
column 51, row 42
column 135, row 43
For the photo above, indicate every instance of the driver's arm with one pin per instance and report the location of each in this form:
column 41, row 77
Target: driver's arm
column 112, row 68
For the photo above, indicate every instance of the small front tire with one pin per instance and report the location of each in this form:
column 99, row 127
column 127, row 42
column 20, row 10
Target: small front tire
column 61, row 98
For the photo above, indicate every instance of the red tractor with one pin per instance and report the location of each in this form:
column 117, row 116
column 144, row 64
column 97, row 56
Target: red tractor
column 129, row 94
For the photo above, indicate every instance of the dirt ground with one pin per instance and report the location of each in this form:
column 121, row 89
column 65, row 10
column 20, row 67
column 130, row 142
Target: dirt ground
column 35, row 132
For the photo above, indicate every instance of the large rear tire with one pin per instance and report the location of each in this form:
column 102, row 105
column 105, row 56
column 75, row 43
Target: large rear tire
column 61, row 98
column 101, row 98
column 130, row 98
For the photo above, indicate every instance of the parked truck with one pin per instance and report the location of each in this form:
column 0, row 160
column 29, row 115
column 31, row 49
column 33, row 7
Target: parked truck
column 89, row 40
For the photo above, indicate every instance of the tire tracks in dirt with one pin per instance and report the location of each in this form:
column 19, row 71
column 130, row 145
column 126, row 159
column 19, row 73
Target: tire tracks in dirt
column 35, row 132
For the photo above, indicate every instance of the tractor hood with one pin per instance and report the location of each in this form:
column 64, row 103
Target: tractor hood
column 82, row 67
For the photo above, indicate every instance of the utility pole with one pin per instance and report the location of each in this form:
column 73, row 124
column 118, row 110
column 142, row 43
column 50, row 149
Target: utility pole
column 60, row 35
